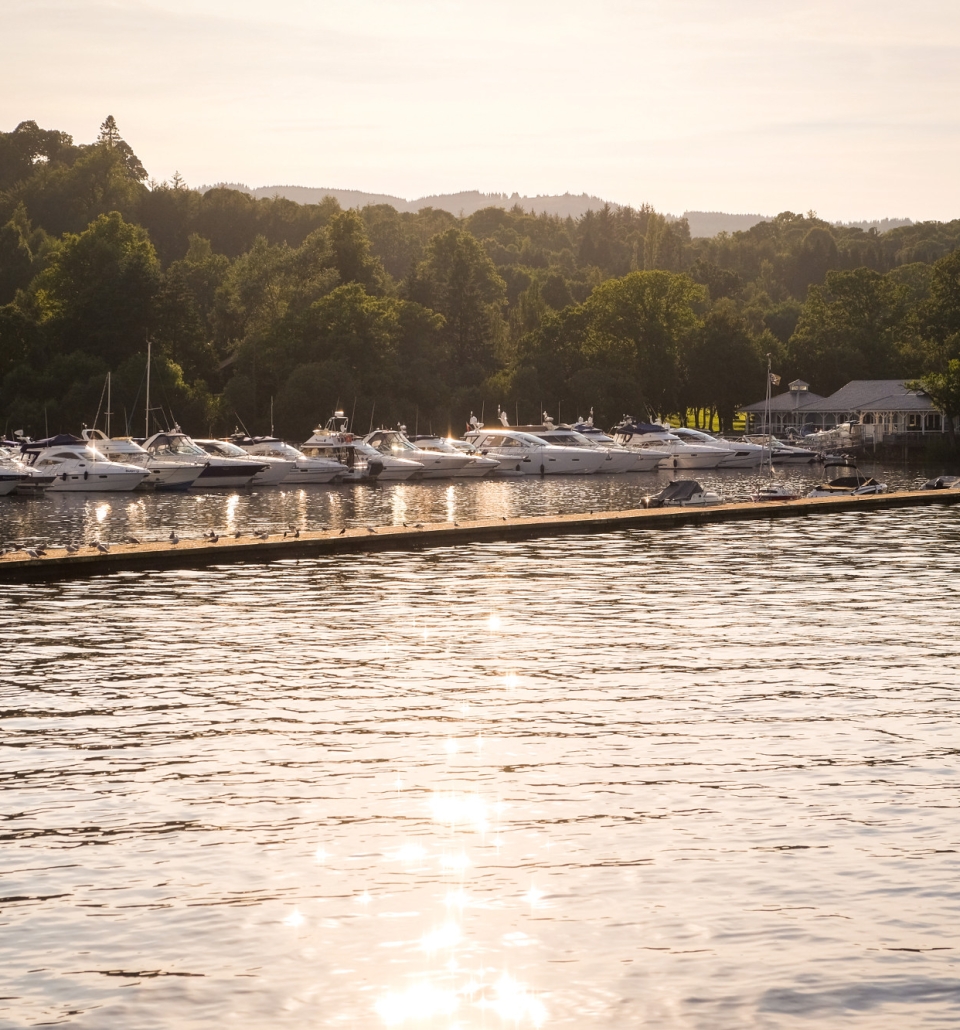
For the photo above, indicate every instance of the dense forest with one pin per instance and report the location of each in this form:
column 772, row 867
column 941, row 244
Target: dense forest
column 264, row 308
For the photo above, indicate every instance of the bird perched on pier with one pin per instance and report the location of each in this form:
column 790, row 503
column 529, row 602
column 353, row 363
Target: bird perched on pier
column 40, row 550
column 72, row 548
column 173, row 538
column 31, row 553
column 261, row 534
column 370, row 529
column 93, row 545
column 103, row 548
column 132, row 540
column 213, row 538
column 342, row 531
column 419, row 525
column 236, row 536
column 291, row 532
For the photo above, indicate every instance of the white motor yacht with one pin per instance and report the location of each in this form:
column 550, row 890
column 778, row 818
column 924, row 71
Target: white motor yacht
column 674, row 453
column 78, row 466
column 391, row 467
column 785, row 453
column 476, row 467
column 9, row 481
column 394, row 443
column 740, row 455
column 163, row 475
column 615, row 457
column 305, row 470
column 529, row 455
column 28, row 480
column 361, row 463
column 219, row 472
column 273, row 471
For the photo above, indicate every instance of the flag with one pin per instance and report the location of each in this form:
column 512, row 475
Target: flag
column 774, row 379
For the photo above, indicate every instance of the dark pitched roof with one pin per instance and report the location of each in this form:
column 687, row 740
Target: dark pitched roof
column 857, row 395
column 789, row 401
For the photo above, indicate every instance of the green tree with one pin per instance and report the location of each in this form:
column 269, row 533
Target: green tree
column 723, row 366
column 853, row 327
column 638, row 323
column 97, row 294
column 943, row 388
column 458, row 280
column 111, row 139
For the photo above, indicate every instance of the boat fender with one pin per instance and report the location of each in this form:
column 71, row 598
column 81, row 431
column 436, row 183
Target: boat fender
column 542, row 470
column 374, row 467
column 63, row 476
column 86, row 474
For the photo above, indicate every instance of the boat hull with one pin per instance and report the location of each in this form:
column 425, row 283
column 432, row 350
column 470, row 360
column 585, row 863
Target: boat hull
column 97, row 482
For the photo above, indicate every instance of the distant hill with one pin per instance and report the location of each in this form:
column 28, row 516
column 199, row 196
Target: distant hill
column 702, row 223
column 465, row 203
column 709, row 223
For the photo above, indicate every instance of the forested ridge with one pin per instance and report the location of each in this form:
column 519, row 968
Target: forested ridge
column 253, row 305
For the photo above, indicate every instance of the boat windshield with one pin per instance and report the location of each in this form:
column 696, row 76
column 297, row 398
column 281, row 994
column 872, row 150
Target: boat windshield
column 168, row 443
column 222, row 449
column 391, row 443
column 279, row 450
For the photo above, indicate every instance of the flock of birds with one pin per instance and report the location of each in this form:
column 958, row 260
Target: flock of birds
column 210, row 537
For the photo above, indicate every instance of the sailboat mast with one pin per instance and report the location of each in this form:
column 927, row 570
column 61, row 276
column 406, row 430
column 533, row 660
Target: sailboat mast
column 146, row 430
column 109, row 412
column 766, row 411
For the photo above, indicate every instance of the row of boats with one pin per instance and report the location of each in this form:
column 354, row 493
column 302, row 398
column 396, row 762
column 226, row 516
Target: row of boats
column 172, row 460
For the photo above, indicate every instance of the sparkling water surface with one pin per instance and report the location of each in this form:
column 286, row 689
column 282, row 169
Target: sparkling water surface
column 705, row 778
column 58, row 518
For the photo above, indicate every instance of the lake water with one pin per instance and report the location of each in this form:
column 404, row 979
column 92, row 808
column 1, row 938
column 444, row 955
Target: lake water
column 702, row 778
column 60, row 517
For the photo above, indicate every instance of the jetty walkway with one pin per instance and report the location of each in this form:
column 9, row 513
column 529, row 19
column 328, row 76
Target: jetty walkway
column 57, row 564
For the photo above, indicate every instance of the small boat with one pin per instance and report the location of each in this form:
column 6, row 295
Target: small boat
column 942, row 483
column 777, row 492
column 684, row 493
column 854, row 485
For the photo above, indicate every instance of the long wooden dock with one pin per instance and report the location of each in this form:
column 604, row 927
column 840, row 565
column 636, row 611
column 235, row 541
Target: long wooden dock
column 163, row 554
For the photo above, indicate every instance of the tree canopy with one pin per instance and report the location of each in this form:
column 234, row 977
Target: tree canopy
column 255, row 305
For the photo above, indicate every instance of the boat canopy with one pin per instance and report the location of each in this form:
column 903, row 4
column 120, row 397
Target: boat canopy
column 681, row 490
column 60, row 440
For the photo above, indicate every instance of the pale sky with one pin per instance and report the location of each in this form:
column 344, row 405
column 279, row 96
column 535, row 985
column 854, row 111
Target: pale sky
column 847, row 107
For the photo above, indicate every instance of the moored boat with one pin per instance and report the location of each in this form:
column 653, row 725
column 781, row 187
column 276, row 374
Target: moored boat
column 682, row 493
column 77, row 466
column 163, row 475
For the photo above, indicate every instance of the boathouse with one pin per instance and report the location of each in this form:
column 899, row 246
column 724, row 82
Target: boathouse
column 885, row 410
